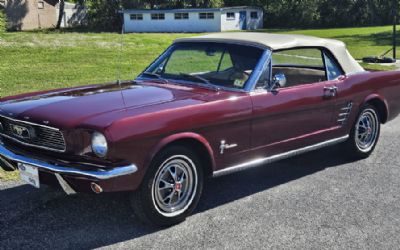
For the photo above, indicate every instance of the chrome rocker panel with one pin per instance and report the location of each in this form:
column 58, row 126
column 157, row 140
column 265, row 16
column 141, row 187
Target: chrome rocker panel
column 278, row 157
column 7, row 155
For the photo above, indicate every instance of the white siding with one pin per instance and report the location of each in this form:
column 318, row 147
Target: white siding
column 170, row 24
column 228, row 24
column 253, row 24
column 194, row 23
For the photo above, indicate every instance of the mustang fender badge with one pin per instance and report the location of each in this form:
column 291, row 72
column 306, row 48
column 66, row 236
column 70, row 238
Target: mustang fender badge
column 224, row 146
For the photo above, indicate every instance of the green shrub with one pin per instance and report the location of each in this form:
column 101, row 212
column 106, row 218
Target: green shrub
column 2, row 20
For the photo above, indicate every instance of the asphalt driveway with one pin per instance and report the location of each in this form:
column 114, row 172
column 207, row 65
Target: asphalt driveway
column 318, row 200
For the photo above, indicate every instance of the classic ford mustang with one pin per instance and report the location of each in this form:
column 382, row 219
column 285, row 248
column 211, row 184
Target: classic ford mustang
column 208, row 106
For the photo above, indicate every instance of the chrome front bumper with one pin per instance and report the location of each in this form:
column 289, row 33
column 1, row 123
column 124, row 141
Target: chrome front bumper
column 7, row 157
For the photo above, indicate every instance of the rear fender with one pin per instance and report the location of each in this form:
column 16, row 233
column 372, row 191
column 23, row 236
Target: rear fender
column 382, row 102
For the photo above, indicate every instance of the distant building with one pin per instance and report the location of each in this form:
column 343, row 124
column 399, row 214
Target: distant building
column 193, row 20
column 74, row 15
column 37, row 14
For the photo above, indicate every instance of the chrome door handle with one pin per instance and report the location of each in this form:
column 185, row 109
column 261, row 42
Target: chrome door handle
column 330, row 91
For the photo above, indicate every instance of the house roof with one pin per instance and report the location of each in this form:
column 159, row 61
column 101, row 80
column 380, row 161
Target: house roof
column 140, row 11
column 280, row 42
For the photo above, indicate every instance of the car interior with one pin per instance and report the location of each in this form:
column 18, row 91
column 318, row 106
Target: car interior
column 305, row 66
column 300, row 75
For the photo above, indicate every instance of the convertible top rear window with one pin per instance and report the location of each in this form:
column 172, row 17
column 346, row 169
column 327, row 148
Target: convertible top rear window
column 221, row 64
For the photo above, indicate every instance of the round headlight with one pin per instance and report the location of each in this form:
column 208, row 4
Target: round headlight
column 99, row 144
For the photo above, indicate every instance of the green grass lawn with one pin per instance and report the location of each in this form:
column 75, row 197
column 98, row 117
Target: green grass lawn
column 40, row 60
column 32, row 61
column 8, row 176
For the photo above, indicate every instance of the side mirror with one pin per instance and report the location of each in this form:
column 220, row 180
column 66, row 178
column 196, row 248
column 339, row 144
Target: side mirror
column 278, row 81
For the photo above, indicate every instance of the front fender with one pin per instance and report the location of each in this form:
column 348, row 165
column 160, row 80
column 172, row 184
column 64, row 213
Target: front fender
column 183, row 136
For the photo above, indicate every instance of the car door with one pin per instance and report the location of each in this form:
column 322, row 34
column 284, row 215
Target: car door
column 299, row 114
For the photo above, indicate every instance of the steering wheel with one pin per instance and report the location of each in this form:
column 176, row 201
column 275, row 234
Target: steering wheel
column 246, row 73
column 238, row 71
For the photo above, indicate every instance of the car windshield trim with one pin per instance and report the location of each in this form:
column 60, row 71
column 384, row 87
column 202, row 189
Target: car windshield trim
column 183, row 82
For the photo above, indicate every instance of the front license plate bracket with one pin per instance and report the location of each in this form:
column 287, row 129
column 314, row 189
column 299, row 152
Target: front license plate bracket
column 29, row 174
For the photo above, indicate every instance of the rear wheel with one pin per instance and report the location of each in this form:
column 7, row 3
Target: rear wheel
column 365, row 133
column 171, row 188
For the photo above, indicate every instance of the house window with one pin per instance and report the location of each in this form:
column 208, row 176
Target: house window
column 40, row 5
column 136, row 16
column 206, row 15
column 230, row 16
column 158, row 16
column 181, row 16
column 254, row 15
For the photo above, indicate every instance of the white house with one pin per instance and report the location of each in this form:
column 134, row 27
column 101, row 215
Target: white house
column 193, row 20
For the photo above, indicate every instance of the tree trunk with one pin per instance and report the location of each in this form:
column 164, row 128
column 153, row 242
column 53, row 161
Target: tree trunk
column 60, row 14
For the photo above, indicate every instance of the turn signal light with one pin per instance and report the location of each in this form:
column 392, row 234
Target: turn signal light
column 96, row 188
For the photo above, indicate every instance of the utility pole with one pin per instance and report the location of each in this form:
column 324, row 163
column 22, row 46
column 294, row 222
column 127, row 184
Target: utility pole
column 394, row 9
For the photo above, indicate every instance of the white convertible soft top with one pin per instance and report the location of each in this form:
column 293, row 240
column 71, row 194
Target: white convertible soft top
column 279, row 42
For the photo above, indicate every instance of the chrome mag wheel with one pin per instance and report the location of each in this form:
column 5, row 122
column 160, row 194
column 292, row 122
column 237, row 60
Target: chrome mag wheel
column 174, row 186
column 367, row 130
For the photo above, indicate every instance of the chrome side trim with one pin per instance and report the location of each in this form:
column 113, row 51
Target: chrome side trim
column 99, row 174
column 65, row 186
column 278, row 157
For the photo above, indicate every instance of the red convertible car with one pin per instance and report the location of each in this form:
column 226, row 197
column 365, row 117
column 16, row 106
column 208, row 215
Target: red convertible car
column 208, row 106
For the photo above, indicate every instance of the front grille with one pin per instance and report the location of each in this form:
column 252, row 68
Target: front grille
column 31, row 134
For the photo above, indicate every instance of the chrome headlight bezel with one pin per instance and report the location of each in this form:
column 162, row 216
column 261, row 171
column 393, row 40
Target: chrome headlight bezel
column 99, row 144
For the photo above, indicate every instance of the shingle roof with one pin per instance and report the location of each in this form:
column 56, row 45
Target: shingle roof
column 140, row 11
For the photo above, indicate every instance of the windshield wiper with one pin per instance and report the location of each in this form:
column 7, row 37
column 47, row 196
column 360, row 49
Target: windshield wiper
column 204, row 80
column 154, row 75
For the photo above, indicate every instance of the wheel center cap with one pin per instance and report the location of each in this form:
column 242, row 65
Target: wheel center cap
column 178, row 186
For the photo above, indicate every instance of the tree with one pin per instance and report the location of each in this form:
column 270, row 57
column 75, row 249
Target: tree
column 60, row 14
column 278, row 13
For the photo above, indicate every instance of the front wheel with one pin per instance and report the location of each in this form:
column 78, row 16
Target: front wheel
column 364, row 134
column 171, row 188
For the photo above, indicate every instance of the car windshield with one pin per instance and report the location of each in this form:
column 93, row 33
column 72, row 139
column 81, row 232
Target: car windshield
column 223, row 65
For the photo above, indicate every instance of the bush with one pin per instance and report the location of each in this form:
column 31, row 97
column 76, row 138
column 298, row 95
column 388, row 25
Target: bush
column 2, row 20
column 103, row 15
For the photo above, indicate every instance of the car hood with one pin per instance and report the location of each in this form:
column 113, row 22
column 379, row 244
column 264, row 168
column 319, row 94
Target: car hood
column 69, row 108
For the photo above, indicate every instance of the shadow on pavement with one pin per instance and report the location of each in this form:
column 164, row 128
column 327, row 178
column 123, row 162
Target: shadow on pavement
column 47, row 218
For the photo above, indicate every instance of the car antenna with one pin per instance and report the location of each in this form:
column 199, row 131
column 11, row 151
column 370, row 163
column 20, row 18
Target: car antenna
column 119, row 63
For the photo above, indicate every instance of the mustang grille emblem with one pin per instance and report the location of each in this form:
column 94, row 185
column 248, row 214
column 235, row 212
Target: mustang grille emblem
column 20, row 131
